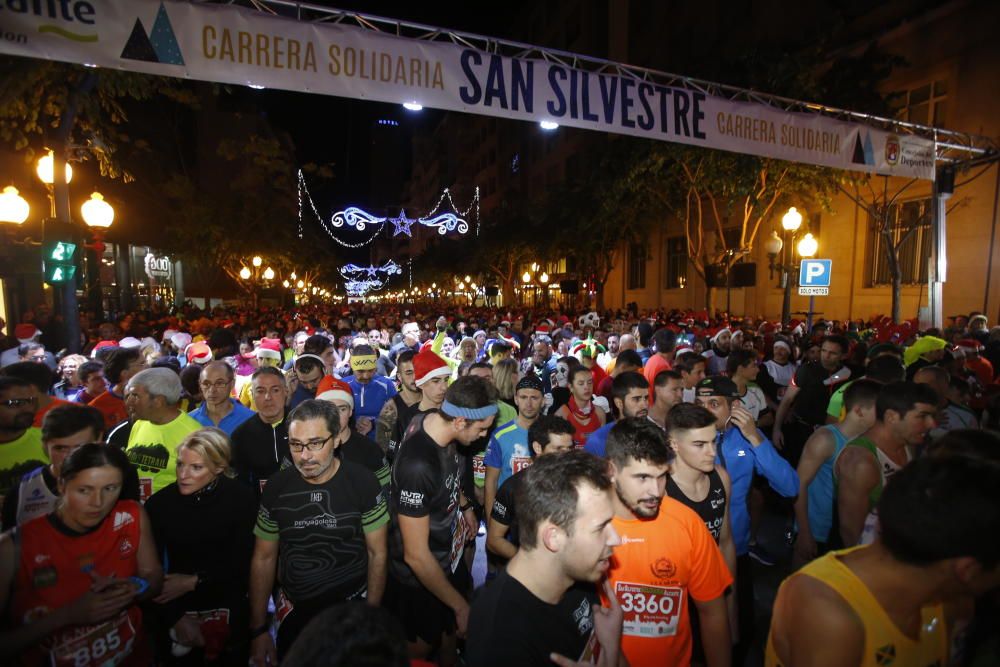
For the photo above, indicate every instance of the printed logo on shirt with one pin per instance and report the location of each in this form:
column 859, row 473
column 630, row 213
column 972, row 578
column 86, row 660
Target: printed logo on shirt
column 632, row 540
column 149, row 458
column 499, row 508
column 122, row 519
column 663, row 568
column 324, row 520
column 41, row 558
column 583, row 619
column 44, row 577
column 411, row 498
column 125, row 547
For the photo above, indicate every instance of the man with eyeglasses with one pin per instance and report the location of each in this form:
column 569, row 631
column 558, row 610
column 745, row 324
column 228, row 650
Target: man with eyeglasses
column 321, row 531
column 220, row 409
column 20, row 443
column 39, row 376
column 260, row 444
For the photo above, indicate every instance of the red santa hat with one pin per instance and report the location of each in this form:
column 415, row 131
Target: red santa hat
column 269, row 348
column 427, row 366
column 26, row 332
column 199, row 353
column 332, row 389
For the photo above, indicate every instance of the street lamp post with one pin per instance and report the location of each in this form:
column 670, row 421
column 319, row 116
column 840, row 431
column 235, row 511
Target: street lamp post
column 98, row 215
column 48, row 166
column 790, row 223
column 257, row 277
column 807, row 248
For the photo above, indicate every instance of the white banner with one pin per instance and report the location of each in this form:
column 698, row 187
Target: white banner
column 233, row 45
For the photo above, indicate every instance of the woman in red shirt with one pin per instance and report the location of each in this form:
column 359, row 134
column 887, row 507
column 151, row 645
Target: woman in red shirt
column 73, row 578
column 580, row 411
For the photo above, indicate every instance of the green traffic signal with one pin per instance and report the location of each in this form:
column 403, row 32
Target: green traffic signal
column 58, row 273
column 60, row 251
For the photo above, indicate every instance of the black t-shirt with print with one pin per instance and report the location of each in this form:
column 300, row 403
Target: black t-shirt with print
column 424, row 482
column 505, row 507
column 508, row 625
column 320, row 529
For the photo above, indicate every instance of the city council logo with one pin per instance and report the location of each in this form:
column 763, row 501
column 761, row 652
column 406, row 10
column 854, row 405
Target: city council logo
column 892, row 149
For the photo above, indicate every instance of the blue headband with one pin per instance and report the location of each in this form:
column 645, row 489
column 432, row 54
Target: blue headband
column 456, row 411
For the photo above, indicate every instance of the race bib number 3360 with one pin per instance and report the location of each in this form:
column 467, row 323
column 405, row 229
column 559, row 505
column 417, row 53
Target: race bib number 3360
column 650, row 611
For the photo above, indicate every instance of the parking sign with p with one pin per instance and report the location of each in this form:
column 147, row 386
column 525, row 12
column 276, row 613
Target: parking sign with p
column 814, row 277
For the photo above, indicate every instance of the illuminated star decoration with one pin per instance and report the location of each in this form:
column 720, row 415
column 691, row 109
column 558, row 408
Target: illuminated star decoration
column 402, row 224
column 363, row 279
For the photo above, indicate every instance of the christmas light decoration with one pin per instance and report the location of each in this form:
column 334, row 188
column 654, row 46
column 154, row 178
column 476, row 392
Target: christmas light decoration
column 360, row 219
column 402, row 224
column 364, row 279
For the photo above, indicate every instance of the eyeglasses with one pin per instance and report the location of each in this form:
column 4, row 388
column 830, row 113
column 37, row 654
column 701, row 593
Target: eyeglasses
column 312, row 445
column 18, row 402
column 221, row 385
column 37, row 357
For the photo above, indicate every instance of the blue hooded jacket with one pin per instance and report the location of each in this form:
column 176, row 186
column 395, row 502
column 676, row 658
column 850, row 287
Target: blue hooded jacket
column 741, row 459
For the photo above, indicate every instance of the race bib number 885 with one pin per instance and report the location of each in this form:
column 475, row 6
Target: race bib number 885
column 650, row 611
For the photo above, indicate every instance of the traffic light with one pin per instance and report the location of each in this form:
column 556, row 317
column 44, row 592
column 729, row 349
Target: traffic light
column 59, row 244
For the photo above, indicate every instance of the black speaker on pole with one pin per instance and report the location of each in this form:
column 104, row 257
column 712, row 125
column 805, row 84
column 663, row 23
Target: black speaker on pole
column 569, row 286
column 743, row 275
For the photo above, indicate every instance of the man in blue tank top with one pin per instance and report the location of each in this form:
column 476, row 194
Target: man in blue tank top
column 815, row 503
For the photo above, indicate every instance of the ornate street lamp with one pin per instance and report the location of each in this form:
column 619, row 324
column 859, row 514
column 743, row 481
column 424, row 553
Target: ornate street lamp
column 13, row 207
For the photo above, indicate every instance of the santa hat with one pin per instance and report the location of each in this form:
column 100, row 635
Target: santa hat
column 129, row 341
column 332, row 389
column 542, row 329
column 198, row 353
column 25, row 332
column 715, row 336
column 168, row 334
column 969, row 346
column 269, row 348
column 427, row 366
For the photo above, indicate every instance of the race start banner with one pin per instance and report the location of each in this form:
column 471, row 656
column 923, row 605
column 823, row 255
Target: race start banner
column 234, row 45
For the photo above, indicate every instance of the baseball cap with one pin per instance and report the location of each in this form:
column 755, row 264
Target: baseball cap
column 717, row 385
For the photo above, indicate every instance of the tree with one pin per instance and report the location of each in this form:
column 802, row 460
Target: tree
column 592, row 215
column 507, row 241
column 78, row 113
column 895, row 231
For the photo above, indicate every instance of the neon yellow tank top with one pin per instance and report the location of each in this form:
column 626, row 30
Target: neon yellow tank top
column 885, row 644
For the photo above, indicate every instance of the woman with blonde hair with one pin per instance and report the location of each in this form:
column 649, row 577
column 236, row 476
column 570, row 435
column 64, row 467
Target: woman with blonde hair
column 506, row 373
column 69, row 384
column 203, row 524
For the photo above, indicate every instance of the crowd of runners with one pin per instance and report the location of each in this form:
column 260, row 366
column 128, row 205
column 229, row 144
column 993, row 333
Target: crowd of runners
column 317, row 487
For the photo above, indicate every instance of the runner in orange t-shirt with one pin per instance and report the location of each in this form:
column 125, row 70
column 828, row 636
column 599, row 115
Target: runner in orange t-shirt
column 666, row 558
